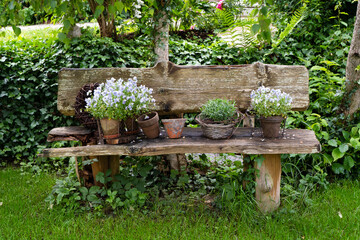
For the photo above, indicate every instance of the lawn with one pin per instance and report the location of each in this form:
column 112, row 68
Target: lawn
column 333, row 214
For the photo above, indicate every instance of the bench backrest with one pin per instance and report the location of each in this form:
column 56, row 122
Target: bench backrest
column 184, row 89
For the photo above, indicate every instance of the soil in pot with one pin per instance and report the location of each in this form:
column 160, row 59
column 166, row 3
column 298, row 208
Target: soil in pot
column 174, row 127
column 149, row 123
column 271, row 126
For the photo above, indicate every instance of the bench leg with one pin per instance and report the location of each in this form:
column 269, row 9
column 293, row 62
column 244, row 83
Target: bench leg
column 103, row 164
column 268, row 183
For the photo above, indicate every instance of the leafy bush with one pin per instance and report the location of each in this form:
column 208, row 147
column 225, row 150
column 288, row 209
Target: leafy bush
column 29, row 71
column 218, row 110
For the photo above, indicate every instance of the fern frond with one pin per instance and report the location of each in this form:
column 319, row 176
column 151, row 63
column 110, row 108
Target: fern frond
column 227, row 19
column 295, row 19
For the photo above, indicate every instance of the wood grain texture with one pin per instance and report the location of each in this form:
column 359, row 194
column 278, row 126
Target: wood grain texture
column 183, row 89
column 72, row 133
column 267, row 191
column 245, row 141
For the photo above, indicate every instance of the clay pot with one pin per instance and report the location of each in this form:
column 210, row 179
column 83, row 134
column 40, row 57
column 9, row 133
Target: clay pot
column 130, row 127
column 110, row 129
column 271, row 126
column 110, row 126
column 149, row 123
column 174, row 127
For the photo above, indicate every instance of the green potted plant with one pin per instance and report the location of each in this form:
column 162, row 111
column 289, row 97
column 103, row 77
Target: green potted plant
column 218, row 118
column 117, row 103
column 272, row 106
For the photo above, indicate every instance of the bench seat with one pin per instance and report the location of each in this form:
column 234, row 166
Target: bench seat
column 245, row 140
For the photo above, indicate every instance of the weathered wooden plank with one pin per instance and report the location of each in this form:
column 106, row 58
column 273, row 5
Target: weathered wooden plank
column 71, row 133
column 245, row 141
column 182, row 89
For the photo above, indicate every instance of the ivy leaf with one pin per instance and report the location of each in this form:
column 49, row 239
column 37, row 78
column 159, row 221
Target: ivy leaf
column 333, row 143
column 99, row 9
column 337, row 154
column 338, row 168
column 259, row 160
column 348, row 162
column 343, row 148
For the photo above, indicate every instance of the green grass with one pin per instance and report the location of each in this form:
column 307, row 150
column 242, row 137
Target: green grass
column 25, row 215
column 42, row 33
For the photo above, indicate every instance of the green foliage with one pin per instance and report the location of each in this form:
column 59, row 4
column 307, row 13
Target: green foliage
column 218, row 110
column 29, row 71
column 295, row 19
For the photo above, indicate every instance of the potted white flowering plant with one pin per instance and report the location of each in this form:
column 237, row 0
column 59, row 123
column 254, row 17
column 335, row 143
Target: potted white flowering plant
column 117, row 101
column 272, row 106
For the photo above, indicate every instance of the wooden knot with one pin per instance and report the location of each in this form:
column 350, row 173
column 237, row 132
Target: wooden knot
column 266, row 183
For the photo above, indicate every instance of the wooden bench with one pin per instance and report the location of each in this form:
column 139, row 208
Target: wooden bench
column 184, row 89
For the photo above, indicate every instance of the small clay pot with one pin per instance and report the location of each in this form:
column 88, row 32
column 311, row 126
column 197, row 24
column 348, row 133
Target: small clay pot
column 149, row 123
column 110, row 129
column 110, row 126
column 174, row 127
column 271, row 126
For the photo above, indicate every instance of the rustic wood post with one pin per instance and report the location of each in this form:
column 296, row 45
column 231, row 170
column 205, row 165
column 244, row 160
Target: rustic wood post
column 103, row 164
column 268, row 183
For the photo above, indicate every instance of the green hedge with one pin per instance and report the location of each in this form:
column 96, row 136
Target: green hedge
column 28, row 85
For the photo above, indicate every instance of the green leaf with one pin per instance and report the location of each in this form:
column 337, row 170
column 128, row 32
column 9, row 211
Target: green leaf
column 16, row 30
column 325, row 135
column 62, row 36
column 119, row 6
column 100, row 1
column 348, row 163
column 100, row 177
column 67, row 25
column 84, row 190
column 53, row 4
column 327, row 158
column 112, row 9
column 11, row 5
column 264, row 10
column 92, row 198
column 354, row 131
column 99, row 9
column 337, row 154
column 333, row 143
column 259, row 160
column 355, row 143
column 343, row 147
column 338, row 168
column 255, row 28
column 346, row 135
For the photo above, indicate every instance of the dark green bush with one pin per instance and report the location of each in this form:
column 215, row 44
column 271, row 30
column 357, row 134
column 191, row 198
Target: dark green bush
column 28, row 83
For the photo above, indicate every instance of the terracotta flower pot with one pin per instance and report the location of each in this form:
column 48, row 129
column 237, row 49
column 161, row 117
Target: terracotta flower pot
column 110, row 126
column 174, row 127
column 271, row 126
column 149, row 123
column 110, row 129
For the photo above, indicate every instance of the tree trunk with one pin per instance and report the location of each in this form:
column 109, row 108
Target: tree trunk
column 351, row 101
column 161, row 33
column 106, row 20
